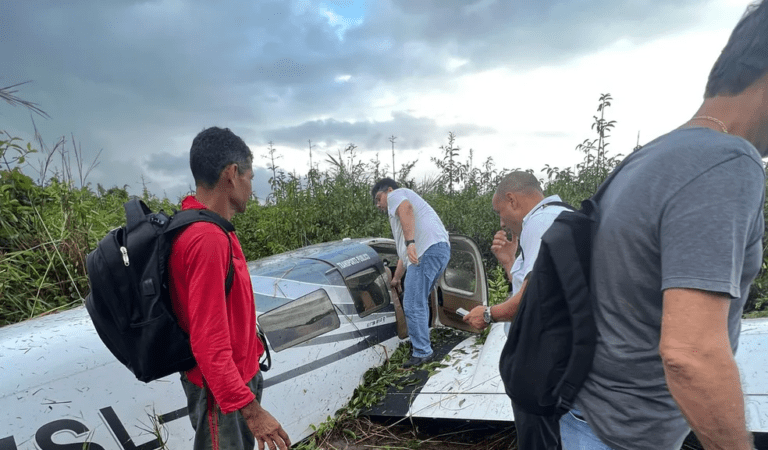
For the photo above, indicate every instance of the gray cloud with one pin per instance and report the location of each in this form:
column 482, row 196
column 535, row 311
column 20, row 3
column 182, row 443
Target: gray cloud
column 411, row 133
column 139, row 79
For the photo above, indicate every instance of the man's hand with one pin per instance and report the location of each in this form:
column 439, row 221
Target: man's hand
column 265, row 428
column 503, row 249
column 412, row 256
column 396, row 285
column 397, row 277
column 475, row 318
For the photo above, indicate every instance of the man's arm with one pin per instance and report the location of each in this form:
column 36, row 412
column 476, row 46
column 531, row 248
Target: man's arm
column 397, row 277
column 210, row 340
column 503, row 312
column 203, row 267
column 701, row 372
column 265, row 428
column 404, row 212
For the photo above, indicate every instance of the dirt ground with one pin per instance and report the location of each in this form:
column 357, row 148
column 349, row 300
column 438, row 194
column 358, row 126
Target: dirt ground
column 386, row 434
column 425, row 434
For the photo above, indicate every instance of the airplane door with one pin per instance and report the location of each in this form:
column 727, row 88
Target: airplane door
column 462, row 285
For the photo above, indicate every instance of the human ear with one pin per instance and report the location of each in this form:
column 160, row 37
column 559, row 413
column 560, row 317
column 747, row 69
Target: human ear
column 231, row 172
column 512, row 199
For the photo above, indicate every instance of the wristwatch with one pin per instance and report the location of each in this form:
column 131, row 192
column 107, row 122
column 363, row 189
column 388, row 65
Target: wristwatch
column 487, row 317
column 409, row 242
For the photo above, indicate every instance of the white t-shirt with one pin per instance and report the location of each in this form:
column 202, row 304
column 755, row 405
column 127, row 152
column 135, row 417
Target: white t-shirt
column 535, row 223
column 428, row 229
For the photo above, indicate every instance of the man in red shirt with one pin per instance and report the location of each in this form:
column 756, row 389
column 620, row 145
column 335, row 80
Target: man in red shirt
column 222, row 328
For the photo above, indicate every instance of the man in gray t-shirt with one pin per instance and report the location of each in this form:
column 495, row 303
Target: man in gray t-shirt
column 678, row 244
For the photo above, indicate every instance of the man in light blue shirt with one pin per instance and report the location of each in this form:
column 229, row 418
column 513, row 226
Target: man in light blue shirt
column 423, row 250
column 525, row 212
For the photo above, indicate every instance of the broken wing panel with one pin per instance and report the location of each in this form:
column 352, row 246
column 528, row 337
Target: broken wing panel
column 470, row 387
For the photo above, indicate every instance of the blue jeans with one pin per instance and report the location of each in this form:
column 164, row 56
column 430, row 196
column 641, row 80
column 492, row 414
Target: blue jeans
column 576, row 434
column 419, row 280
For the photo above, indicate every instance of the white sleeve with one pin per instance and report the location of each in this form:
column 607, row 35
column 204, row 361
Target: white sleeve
column 394, row 199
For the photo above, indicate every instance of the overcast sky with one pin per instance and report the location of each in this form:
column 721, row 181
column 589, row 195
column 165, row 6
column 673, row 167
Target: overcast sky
column 515, row 80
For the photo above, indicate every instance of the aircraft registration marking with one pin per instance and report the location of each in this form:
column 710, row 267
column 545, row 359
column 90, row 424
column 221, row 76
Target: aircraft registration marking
column 375, row 322
column 44, row 437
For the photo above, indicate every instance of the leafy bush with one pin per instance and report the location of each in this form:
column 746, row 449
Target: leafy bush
column 47, row 227
column 46, row 231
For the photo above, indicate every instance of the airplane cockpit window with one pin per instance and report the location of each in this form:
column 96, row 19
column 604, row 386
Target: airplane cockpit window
column 460, row 273
column 299, row 320
column 369, row 291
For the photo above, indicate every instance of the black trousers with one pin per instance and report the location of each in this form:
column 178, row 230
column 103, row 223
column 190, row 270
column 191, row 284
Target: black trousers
column 536, row 432
column 234, row 433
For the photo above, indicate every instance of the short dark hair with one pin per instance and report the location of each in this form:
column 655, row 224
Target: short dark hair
column 744, row 59
column 212, row 150
column 383, row 185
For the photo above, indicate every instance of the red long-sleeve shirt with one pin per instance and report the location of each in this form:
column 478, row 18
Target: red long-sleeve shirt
column 222, row 332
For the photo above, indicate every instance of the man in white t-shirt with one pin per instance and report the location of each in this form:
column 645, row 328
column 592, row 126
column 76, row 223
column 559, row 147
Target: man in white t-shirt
column 525, row 212
column 423, row 250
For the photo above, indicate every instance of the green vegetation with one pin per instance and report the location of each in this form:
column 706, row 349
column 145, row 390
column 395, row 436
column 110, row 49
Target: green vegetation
column 49, row 225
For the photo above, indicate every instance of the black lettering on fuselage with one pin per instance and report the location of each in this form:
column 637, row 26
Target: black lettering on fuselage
column 122, row 435
column 8, row 443
column 44, row 436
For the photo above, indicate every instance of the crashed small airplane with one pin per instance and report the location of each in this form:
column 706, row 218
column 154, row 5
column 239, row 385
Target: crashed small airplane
column 329, row 316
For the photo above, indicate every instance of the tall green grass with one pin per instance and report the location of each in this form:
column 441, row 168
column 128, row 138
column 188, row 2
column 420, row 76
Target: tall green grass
column 49, row 225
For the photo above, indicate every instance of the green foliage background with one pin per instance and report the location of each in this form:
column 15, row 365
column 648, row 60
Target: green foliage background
column 49, row 225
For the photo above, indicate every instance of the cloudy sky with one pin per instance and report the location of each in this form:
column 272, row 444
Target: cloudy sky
column 515, row 80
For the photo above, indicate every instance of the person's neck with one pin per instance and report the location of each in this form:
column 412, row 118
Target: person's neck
column 740, row 115
column 530, row 201
column 215, row 201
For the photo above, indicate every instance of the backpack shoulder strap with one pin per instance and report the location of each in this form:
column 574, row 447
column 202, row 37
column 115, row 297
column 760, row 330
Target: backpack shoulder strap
column 187, row 217
column 572, row 264
column 563, row 204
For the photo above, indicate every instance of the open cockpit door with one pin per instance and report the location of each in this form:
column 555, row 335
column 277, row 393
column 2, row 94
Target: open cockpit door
column 463, row 284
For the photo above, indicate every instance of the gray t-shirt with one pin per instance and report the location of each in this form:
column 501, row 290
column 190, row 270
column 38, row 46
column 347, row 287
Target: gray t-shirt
column 686, row 211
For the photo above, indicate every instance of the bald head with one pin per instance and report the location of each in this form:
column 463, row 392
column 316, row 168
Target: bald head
column 520, row 182
column 517, row 194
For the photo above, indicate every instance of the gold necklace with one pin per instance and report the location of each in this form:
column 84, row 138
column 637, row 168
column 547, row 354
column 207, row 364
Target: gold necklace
column 712, row 119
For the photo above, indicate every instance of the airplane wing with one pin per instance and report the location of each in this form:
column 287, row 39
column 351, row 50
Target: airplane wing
column 752, row 358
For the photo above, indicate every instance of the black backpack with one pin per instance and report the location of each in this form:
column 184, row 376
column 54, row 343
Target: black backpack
column 130, row 302
column 551, row 344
